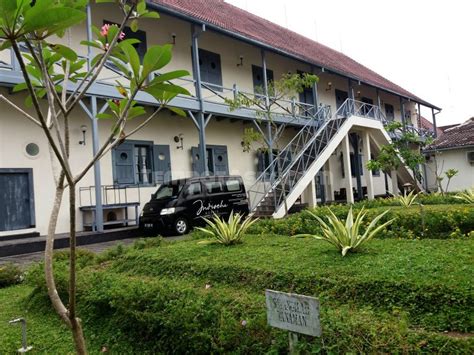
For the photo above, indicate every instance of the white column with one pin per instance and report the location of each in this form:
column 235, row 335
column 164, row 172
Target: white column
column 347, row 169
column 369, row 179
column 330, row 183
column 394, row 178
column 309, row 194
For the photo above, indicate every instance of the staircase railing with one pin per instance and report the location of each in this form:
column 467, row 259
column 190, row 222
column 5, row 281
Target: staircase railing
column 285, row 156
column 282, row 175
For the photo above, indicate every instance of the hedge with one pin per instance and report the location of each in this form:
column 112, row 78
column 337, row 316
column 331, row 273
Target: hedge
column 434, row 222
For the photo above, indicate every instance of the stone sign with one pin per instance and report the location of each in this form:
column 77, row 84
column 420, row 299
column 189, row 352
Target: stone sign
column 296, row 313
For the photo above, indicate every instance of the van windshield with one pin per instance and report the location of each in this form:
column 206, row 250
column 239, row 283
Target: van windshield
column 168, row 191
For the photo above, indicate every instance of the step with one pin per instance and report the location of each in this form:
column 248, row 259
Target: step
column 35, row 244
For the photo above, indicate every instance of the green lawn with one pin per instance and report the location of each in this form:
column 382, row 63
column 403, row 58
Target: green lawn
column 393, row 296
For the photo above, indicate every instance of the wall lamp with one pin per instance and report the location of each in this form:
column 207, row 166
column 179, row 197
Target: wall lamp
column 241, row 64
column 179, row 139
column 329, row 86
column 83, row 130
column 358, row 94
column 173, row 38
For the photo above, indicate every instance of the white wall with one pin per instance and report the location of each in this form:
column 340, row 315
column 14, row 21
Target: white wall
column 451, row 159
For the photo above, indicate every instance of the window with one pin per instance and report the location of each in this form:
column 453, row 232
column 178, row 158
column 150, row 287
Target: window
column 167, row 191
column 141, row 162
column 214, row 187
column 264, row 162
column 210, row 68
column 232, row 185
column 258, row 83
column 389, row 112
column 366, row 109
column 353, row 165
column 408, row 117
column 216, row 160
column 193, row 189
column 140, row 35
column 143, row 168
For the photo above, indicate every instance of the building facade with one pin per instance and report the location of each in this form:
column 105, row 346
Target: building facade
column 452, row 149
column 330, row 131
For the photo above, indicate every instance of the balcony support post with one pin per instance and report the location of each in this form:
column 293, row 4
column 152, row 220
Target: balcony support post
column 330, row 182
column 394, row 178
column 368, row 174
column 267, row 107
column 89, row 35
column 200, row 119
column 402, row 114
column 354, row 138
column 315, row 94
column 347, row 169
column 419, row 117
column 434, row 122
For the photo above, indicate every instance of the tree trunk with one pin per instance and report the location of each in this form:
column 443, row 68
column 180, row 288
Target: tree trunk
column 48, row 255
column 76, row 326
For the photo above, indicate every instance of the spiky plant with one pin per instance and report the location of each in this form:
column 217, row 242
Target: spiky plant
column 407, row 200
column 466, row 196
column 347, row 236
column 226, row 232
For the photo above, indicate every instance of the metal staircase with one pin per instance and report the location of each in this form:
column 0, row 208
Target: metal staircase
column 291, row 167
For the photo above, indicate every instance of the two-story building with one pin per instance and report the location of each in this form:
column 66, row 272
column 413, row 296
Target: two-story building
column 330, row 130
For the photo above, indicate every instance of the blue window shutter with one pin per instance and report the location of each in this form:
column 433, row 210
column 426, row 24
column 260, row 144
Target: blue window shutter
column 122, row 161
column 195, row 157
column 161, row 164
column 221, row 162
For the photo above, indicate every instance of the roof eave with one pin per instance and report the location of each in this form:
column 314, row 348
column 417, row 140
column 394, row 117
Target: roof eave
column 243, row 38
column 434, row 150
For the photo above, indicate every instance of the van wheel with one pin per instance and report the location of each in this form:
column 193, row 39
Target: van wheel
column 181, row 226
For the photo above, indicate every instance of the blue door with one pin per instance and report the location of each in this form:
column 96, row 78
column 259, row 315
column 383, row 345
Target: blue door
column 16, row 194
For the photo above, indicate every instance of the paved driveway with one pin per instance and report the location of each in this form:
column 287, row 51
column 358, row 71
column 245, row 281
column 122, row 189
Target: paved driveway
column 27, row 259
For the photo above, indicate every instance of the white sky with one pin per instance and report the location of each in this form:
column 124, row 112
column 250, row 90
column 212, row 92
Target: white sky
column 425, row 46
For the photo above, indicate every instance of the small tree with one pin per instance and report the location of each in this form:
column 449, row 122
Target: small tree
column 405, row 150
column 55, row 72
column 266, row 107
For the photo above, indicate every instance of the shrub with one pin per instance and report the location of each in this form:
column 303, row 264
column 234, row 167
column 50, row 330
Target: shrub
column 407, row 200
column 226, row 233
column 438, row 222
column 466, row 196
column 10, row 274
column 347, row 236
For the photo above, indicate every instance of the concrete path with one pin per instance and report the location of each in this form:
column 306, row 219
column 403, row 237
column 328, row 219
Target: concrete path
column 27, row 259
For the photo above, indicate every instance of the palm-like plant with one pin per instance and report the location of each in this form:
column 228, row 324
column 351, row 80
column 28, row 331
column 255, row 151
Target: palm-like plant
column 347, row 236
column 407, row 200
column 226, row 232
column 466, row 196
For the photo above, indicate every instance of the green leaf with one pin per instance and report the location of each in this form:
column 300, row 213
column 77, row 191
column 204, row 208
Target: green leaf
column 92, row 44
column 151, row 14
column 65, row 51
column 104, row 116
column 20, row 87
column 169, row 76
column 132, row 57
column 134, row 25
column 178, row 111
column 156, row 57
column 47, row 21
column 135, row 112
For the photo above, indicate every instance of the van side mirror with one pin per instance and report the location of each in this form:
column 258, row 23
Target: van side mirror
column 153, row 196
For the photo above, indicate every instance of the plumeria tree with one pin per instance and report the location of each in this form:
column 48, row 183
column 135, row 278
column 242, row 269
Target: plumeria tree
column 55, row 72
column 405, row 150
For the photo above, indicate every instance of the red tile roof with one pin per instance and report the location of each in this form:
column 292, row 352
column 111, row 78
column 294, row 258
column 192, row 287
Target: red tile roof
column 235, row 21
column 457, row 137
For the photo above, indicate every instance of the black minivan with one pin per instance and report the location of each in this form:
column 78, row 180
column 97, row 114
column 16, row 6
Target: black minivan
column 180, row 204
